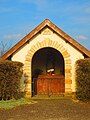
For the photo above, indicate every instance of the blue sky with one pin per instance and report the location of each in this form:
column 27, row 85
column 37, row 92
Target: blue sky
column 19, row 17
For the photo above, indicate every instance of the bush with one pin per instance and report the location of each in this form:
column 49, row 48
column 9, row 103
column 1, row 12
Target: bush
column 10, row 75
column 83, row 79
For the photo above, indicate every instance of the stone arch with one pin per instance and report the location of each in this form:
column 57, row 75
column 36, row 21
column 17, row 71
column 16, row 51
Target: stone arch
column 53, row 44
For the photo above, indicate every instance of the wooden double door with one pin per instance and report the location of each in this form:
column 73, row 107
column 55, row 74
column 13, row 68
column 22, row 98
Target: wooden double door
column 49, row 85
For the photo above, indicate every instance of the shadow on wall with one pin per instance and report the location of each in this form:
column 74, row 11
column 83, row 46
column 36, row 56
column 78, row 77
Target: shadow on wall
column 37, row 72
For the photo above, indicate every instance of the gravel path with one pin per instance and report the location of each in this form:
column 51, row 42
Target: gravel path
column 48, row 110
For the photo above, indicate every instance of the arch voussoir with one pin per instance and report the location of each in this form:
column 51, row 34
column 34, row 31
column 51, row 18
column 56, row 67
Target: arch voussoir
column 58, row 46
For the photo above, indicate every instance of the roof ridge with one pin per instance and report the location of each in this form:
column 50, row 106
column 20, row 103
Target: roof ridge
column 60, row 32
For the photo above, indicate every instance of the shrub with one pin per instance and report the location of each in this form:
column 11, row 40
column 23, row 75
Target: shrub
column 10, row 74
column 83, row 79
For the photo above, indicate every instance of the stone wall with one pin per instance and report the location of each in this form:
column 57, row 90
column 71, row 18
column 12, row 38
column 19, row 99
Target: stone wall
column 62, row 50
column 48, row 38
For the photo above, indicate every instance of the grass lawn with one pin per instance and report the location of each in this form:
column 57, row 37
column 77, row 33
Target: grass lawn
column 14, row 103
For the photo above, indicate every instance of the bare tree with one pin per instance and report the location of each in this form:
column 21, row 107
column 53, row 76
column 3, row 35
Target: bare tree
column 4, row 47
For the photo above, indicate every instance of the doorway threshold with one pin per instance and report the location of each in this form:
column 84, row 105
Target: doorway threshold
column 61, row 96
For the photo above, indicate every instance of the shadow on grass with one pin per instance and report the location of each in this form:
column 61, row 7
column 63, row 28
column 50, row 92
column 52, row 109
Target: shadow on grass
column 14, row 103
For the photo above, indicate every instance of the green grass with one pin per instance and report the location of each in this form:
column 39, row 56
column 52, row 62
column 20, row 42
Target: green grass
column 14, row 103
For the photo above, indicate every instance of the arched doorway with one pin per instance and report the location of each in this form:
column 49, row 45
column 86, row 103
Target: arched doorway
column 48, row 72
column 28, row 64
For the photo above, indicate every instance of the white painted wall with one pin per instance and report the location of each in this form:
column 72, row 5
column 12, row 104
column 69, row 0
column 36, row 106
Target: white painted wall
column 74, row 53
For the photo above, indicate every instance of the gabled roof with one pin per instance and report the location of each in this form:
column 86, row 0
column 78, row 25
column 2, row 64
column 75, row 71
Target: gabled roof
column 61, row 33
